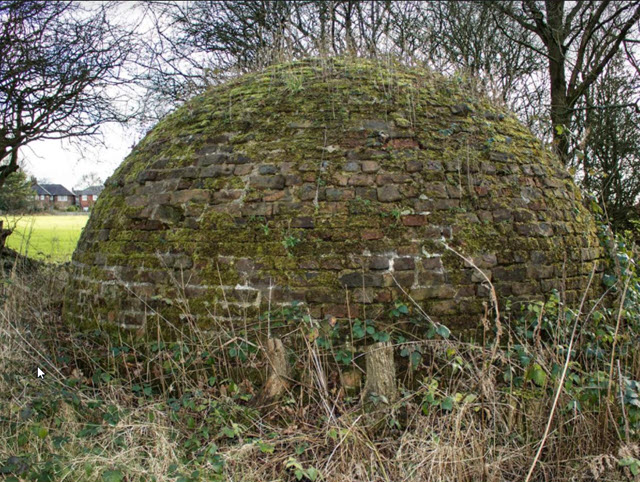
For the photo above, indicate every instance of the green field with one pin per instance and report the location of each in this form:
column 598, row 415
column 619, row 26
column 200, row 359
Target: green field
column 49, row 238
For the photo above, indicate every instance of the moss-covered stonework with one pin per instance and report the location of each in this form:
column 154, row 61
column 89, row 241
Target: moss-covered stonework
column 308, row 178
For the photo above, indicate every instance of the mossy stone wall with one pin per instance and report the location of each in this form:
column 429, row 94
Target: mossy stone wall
column 333, row 183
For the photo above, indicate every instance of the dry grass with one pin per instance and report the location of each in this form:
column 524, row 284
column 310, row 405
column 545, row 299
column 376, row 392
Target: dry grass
column 113, row 409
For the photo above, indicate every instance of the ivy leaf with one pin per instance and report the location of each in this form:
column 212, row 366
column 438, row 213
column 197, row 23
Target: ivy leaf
column 229, row 432
column 537, row 375
column 40, row 431
column 447, row 404
column 112, row 475
column 383, row 337
column 313, row 473
column 469, row 398
column 443, row 331
column 266, row 447
column 632, row 463
column 416, row 358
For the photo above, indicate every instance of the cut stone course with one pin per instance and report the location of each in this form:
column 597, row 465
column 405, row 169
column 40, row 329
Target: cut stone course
column 248, row 197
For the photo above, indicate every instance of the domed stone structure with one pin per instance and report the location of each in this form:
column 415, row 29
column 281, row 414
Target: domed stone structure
column 338, row 184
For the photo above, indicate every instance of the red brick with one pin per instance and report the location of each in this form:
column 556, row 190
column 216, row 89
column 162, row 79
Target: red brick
column 372, row 235
column 414, row 220
column 404, row 143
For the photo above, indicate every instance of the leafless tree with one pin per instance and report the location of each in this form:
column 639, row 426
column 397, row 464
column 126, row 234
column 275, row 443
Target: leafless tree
column 59, row 64
column 608, row 127
column 578, row 39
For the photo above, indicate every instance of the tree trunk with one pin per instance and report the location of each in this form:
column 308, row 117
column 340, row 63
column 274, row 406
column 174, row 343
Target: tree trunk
column 381, row 372
column 560, row 110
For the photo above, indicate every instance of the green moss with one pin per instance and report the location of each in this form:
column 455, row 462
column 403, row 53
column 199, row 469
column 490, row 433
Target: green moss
column 313, row 112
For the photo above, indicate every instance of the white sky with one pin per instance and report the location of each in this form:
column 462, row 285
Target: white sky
column 65, row 162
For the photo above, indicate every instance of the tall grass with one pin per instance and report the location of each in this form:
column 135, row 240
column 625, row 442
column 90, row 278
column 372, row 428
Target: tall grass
column 141, row 408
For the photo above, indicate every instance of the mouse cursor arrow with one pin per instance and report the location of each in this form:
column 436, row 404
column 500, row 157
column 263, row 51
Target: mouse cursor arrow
column 40, row 373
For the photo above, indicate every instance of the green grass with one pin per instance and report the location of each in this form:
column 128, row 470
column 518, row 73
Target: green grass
column 49, row 238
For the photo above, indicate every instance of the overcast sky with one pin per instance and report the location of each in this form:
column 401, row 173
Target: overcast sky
column 65, row 163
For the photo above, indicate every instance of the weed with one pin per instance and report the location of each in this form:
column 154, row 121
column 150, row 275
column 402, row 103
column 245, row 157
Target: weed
column 139, row 408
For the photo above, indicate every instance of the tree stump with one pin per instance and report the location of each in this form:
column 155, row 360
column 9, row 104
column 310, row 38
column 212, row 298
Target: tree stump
column 381, row 373
column 279, row 372
column 4, row 233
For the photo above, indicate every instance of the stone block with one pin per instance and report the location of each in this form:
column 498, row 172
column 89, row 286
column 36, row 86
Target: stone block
column 267, row 169
column 433, row 166
column 257, row 209
column 352, row 167
column 213, row 158
column 485, row 260
column 190, row 196
column 540, row 271
column 217, row 170
column 359, row 279
column 464, row 291
column 370, row 166
column 404, row 279
column 274, row 196
column 292, row 180
column 147, row 175
column 409, row 191
column 167, row 214
column 307, row 192
column 477, row 277
column 225, row 196
column 502, row 214
column 430, row 277
column 137, row 201
column 364, row 296
column 302, row 222
column 190, row 172
column 339, row 194
column 454, row 191
column 370, row 194
column 389, row 193
column 499, row 157
column 414, row 220
column 510, row 274
column 443, row 307
column 435, row 205
column 341, row 311
column 361, row 180
column 267, row 182
column 331, row 263
column 239, row 158
column 534, row 229
column 405, row 263
column 404, row 143
column 379, row 263
column 413, row 166
column 392, row 178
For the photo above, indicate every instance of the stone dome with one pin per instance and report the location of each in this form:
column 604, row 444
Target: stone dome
column 337, row 184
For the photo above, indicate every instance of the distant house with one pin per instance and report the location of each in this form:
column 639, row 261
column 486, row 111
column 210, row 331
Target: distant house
column 53, row 196
column 86, row 198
